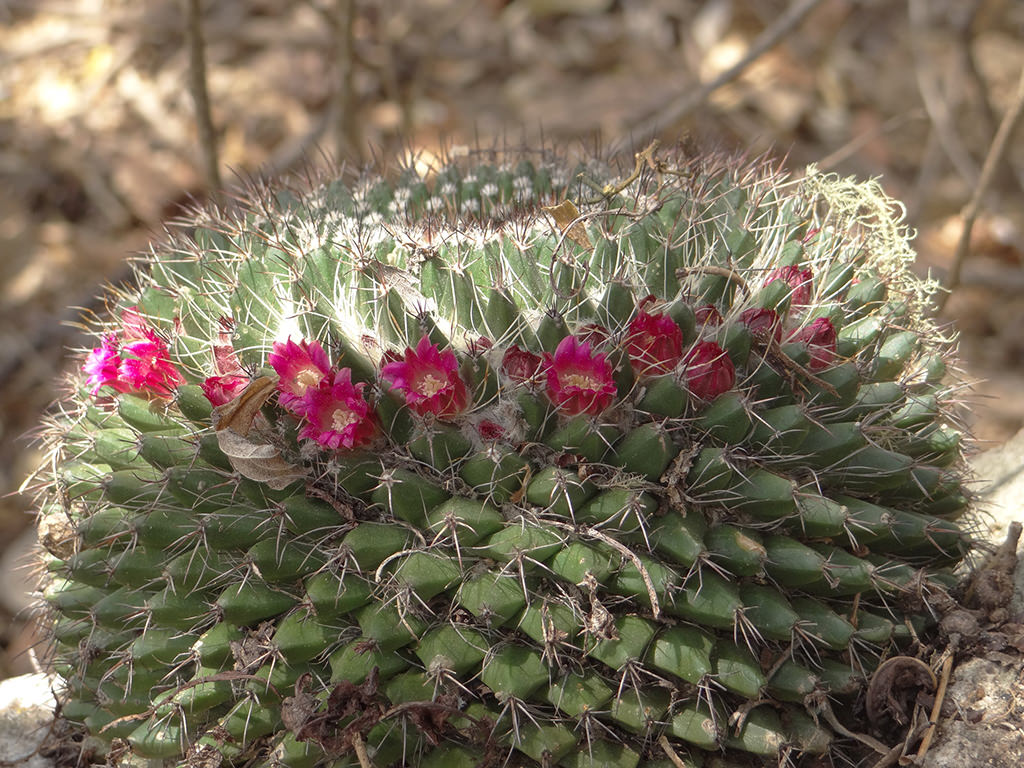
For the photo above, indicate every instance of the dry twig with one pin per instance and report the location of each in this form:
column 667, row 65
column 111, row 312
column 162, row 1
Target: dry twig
column 666, row 747
column 940, row 696
column 200, row 94
column 970, row 213
column 935, row 103
column 347, row 140
column 690, row 101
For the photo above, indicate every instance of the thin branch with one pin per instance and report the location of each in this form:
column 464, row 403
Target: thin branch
column 993, row 161
column 200, row 94
column 934, row 102
column 861, row 140
column 767, row 40
column 347, row 139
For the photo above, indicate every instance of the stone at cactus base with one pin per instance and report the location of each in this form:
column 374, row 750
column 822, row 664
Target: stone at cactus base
column 26, row 713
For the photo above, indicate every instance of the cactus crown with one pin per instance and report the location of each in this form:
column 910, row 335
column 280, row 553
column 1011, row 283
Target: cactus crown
column 516, row 463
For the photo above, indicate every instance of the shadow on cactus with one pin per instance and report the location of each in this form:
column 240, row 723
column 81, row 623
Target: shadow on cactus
column 519, row 463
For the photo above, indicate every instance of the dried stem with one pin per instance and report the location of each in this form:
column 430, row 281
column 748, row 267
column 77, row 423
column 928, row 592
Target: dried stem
column 618, row 546
column 933, row 719
column 970, row 213
column 360, row 747
column 666, row 747
column 646, row 157
column 767, row 40
column 200, row 94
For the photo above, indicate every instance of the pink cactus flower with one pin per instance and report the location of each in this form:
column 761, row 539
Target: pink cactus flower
column 521, row 365
column 820, row 338
column 708, row 314
column 764, row 324
column 429, row 379
column 102, row 365
column 134, row 325
column 136, row 360
column 578, row 380
column 709, row 370
column 654, row 343
column 148, row 368
column 337, row 414
column 798, row 280
column 223, row 389
column 299, row 367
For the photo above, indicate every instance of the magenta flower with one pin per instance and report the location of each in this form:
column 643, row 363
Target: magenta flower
column 654, row 343
column 429, row 379
column 520, row 365
column 223, row 389
column 137, row 361
column 578, row 380
column 764, row 324
column 798, row 280
column 102, row 365
column 337, row 414
column 709, row 370
column 820, row 338
column 299, row 367
column 149, row 367
column 708, row 314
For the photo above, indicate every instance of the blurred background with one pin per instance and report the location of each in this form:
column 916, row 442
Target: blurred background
column 99, row 144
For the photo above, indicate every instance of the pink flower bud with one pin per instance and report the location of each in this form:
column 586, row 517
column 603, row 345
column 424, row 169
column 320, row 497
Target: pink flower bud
column 490, row 430
column 595, row 335
column 820, row 338
column 578, row 380
column 337, row 415
column 223, row 389
column 479, row 346
column 299, row 367
column 709, row 370
column 520, row 365
column 764, row 324
column 708, row 315
column 429, row 379
column 654, row 343
column 799, row 281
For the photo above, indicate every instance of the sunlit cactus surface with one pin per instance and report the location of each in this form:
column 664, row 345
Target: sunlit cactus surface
column 514, row 461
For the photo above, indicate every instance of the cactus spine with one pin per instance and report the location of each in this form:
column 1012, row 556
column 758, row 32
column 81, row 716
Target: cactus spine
column 519, row 463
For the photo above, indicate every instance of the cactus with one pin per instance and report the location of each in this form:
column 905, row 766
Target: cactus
column 517, row 462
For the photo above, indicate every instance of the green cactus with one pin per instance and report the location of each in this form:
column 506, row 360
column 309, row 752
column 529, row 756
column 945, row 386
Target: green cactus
column 519, row 463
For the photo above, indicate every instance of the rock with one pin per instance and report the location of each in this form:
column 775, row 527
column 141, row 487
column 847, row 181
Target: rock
column 987, row 730
column 26, row 710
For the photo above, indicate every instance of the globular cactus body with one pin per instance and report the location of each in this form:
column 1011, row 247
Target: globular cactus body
column 514, row 464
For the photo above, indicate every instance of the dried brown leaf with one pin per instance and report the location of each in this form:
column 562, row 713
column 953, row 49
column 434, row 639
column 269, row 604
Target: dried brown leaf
column 258, row 461
column 253, row 457
column 566, row 216
column 240, row 413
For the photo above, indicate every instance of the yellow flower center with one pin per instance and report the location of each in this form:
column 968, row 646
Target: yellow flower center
column 430, row 385
column 307, row 377
column 341, row 418
column 581, row 380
